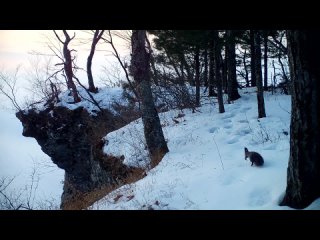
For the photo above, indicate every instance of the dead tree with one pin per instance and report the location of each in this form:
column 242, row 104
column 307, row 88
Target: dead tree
column 68, row 61
column 96, row 37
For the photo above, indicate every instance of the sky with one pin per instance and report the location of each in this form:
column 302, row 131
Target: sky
column 16, row 47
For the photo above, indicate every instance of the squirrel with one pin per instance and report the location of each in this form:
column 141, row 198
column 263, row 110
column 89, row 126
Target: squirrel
column 254, row 157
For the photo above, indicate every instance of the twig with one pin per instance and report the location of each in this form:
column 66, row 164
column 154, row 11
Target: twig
column 218, row 153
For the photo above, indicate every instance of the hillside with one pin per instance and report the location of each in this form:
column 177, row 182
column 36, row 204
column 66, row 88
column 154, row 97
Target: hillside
column 205, row 168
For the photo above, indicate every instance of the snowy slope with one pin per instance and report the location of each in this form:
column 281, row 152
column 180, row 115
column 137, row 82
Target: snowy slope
column 205, row 168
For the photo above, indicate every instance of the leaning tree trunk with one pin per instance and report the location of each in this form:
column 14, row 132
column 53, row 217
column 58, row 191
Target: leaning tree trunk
column 96, row 37
column 232, row 86
column 303, row 175
column 257, row 63
column 253, row 59
column 140, row 68
column 218, row 66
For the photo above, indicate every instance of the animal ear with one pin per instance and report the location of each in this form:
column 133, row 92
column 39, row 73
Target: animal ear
column 246, row 149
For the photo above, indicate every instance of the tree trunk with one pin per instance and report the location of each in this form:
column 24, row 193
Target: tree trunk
column 224, row 76
column 182, row 80
column 246, row 68
column 253, row 59
column 265, row 57
column 211, row 70
column 205, row 73
column 96, row 37
column 257, row 63
column 218, row 66
column 232, row 86
column 303, row 174
column 140, row 67
column 68, row 67
column 197, row 76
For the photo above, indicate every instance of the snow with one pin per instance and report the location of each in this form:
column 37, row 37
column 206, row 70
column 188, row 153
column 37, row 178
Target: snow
column 205, row 168
column 104, row 98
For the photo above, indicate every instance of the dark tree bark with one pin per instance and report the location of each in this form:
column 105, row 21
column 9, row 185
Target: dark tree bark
column 218, row 67
column 232, row 86
column 96, row 37
column 197, row 75
column 68, row 65
column 253, row 59
column 182, row 80
column 303, row 174
column 140, row 69
column 205, row 73
column 246, row 68
column 211, row 70
column 257, row 63
column 265, row 58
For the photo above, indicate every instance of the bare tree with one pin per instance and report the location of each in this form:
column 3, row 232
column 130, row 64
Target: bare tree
column 97, row 35
column 8, row 87
column 140, row 69
column 115, row 53
column 258, row 73
column 218, row 66
column 232, row 86
column 67, row 63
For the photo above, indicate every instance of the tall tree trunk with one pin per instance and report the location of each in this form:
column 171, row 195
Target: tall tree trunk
column 246, row 68
column 218, row 66
column 303, row 174
column 197, row 76
column 253, row 59
column 140, row 67
column 182, row 80
column 224, row 76
column 231, row 66
column 257, row 44
column 211, row 70
column 205, row 73
column 265, row 57
column 96, row 37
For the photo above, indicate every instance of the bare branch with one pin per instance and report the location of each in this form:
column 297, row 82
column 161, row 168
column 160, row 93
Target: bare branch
column 58, row 36
column 116, row 54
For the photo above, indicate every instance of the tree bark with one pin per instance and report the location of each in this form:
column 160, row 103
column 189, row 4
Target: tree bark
column 218, row 66
column 232, row 86
column 211, row 70
column 197, row 76
column 246, row 68
column 96, row 37
column 303, row 174
column 140, row 67
column 68, row 67
column 257, row 63
column 253, row 59
column 265, row 57
column 205, row 73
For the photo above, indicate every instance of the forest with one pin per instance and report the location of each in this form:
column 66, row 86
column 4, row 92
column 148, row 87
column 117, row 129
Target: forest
column 172, row 124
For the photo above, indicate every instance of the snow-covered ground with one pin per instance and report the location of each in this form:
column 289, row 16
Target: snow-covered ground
column 205, row 168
